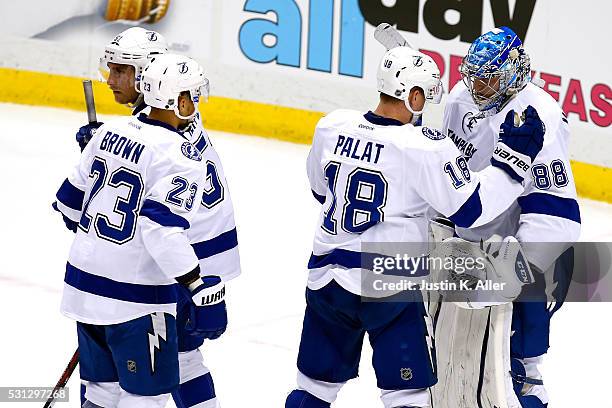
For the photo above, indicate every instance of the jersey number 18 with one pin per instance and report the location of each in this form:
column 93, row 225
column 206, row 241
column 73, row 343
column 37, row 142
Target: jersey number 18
column 364, row 199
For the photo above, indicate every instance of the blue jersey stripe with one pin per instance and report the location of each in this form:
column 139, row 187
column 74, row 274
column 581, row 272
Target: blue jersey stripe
column 542, row 203
column 318, row 197
column 216, row 245
column 366, row 260
column 70, row 196
column 469, row 211
column 162, row 215
column 129, row 292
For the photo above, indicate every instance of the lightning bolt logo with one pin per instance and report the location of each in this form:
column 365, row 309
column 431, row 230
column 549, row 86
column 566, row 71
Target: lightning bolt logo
column 159, row 331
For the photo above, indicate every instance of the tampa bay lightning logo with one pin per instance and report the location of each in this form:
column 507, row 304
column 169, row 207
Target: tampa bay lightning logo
column 470, row 121
column 183, row 68
column 433, row 134
column 151, row 35
column 191, row 152
column 116, row 40
column 417, row 60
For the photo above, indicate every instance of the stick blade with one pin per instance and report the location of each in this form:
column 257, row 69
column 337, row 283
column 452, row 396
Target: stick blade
column 389, row 37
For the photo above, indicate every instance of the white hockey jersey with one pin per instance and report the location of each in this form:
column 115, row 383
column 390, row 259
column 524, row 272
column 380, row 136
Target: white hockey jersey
column 547, row 211
column 134, row 193
column 213, row 229
column 380, row 181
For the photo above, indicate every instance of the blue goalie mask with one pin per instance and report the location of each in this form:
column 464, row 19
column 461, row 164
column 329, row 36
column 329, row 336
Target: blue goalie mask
column 495, row 68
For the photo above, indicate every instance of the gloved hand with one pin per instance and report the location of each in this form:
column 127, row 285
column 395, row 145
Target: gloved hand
column 519, row 144
column 71, row 225
column 208, row 315
column 85, row 133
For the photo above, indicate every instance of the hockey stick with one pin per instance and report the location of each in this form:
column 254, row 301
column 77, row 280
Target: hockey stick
column 90, row 103
column 389, row 37
column 74, row 361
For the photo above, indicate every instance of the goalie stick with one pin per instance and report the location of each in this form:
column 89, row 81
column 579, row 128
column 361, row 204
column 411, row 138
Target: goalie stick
column 389, row 37
column 74, row 361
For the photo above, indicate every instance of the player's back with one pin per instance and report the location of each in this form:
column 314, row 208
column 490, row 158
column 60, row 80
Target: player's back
column 125, row 172
column 368, row 172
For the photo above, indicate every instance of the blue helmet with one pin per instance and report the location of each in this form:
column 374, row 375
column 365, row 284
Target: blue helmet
column 495, row 68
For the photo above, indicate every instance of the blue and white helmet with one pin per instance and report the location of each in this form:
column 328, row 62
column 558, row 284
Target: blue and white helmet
column 495, row 68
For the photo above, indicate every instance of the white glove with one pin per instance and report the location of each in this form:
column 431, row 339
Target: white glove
column 488, row 273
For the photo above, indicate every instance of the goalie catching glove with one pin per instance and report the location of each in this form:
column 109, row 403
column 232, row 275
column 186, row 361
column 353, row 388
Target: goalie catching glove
column 487, row 273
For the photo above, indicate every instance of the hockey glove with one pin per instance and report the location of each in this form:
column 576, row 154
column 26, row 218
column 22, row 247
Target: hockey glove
column 519, row 145
column 488, row 273
column 71, row 225
column 208, row 315
column 85, row 133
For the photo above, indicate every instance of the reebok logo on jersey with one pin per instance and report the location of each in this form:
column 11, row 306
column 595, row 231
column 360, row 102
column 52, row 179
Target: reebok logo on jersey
column 191, row 152
column 509, row 157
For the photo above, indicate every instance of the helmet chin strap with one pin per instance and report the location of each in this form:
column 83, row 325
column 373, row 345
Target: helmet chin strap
column 189, row 117
column 416, row 115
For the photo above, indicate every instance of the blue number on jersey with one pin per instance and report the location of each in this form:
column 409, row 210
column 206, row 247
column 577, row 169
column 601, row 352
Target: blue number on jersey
column 458, row 181
column 331, row 175
column 365, row 198
column 126, row 207
column 173, row 195
column 541, row 175
column 215, row 193
column 98, row 171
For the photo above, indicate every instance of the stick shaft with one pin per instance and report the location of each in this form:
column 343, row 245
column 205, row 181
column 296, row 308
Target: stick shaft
column 74, row 361
column 89, row 101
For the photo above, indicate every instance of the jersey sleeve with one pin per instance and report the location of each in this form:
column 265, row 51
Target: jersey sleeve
column 316, row 177
column 469, row 199
column 71, row 194
column 167, row 211
column 549, row 210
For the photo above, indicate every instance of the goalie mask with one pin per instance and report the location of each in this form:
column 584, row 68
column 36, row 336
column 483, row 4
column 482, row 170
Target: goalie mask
column 167, row 76
column 134, row 46
column 495, row 68
column 401, row 69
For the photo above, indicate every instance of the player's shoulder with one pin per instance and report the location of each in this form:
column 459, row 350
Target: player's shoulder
column 425, row 138
column 339, row 117
column 548, row 109
column 459, row 94
column 168, row 142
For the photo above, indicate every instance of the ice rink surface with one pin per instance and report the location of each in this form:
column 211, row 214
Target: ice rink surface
column 253, row 364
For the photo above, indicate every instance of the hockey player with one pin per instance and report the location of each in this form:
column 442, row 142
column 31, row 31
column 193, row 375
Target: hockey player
column 133, row 195
column 496, row 81
column 379, row 178
column 213, row 230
